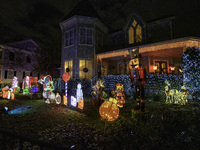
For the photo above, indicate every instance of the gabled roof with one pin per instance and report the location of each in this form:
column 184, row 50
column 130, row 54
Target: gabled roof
column 26, row 44
column 83, row 8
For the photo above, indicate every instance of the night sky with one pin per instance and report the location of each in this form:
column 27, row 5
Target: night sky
column 39, row 19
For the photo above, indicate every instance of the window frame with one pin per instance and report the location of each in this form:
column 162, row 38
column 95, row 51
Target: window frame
column 85, row 76
column 134, row 27
column 70, row 38
column 85, row 36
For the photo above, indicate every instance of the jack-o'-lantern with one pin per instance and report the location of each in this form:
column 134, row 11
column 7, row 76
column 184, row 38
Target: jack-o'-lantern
column 109, row 110
column 80, row 103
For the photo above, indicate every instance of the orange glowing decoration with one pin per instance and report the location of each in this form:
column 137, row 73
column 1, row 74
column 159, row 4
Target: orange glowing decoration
column 65, row 100
column 66, row 76
column 109, row 110
column 12, row 96
column 80, row 103
column 5, row 92
column 172, row 68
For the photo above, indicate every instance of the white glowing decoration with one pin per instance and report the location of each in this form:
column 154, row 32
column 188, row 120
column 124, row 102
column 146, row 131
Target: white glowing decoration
column 58, row 98
column 73, row 101
column 79, row 92
column 14, row 82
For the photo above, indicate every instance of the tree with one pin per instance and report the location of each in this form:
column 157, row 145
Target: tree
column 191, row 70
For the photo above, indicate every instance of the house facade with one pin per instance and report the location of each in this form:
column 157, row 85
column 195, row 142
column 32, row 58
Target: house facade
column 17, row 59
column 89, row 45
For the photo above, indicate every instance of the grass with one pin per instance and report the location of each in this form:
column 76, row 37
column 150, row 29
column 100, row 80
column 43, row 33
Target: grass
column 161, row 127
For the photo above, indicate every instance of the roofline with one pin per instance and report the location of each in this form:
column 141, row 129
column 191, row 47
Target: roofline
column 125, row 50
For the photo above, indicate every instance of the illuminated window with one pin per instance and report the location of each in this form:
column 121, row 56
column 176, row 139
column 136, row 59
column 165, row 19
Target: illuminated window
column 135, row 33
column 69, row 65
column 138, row 34
column 85, row 36
column 131, row 35
column 69, row 38
column 85, row 65
column 161, row 67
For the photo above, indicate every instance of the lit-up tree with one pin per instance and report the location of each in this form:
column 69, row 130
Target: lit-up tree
column 190, row 66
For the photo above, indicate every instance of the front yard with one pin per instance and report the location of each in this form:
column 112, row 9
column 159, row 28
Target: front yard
column 161, row 127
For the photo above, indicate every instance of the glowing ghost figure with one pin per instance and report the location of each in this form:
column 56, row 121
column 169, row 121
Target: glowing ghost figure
column 58, row 98
column 79, row 92
column 109, row 110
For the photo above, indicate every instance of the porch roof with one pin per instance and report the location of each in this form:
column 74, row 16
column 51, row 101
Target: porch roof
column 170, row 48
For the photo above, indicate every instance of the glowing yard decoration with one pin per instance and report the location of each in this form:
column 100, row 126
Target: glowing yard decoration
column 65, row 77
column 8, row 93
column 48, row 87
column 14, row 83
column 79, row 92
column 58, row 98
column 175, row 96
column 81, row 103
column 73, row 101
column 26, row 85
column 109, row 110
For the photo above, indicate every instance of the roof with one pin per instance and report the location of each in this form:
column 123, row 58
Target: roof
column 26, row 44
column 83, row 8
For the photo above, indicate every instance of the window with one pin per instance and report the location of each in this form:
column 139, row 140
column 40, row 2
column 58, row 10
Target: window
column 85, row 65
column 11, row 56
column 69, row 65
column 27, row 73
column 0, row 54
column 6, row 74
column 10, row 74
column 85, row 36
column 28, row 59
column 161, row 67
column 99, row 40
column 69, row 38
column 135, row 33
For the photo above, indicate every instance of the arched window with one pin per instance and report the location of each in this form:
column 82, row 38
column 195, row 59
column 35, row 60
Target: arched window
column 138, row 34
column 135, row 33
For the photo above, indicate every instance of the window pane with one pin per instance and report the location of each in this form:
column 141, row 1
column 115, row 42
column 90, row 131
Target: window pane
column 71, row 41
column 82, row 40
column 66, row 65
column 138, row 34
column 10, row 74
column 67, row 42
column 81, row 75
column 89, row 32
column 71, row 33
column 89, row 40
column 82, row 31
column 81, row 64
column 89, row 75
column 67, row 35
column 131, row 35
column 134, row 23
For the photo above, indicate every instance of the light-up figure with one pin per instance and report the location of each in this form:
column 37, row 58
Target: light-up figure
column 73, row 101
column 79, row 92
column 14, row 83
column 26, row 85
column 58, row 98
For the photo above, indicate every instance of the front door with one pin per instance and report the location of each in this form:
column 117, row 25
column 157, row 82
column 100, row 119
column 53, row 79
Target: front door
column 161, row 67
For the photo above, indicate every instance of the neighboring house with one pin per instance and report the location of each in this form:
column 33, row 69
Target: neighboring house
column 87, row 42
column 17, row 59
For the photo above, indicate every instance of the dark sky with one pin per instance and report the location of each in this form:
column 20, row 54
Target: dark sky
column 39, row 19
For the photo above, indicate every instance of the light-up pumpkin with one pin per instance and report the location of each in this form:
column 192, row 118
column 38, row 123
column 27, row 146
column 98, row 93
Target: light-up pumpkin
column 64, row 100
column 109, row 110
column 80, row 103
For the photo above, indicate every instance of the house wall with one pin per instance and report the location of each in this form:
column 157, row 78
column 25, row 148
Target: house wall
column 19, row 65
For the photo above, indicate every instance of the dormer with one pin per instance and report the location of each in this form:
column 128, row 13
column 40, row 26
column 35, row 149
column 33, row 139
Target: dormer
column 134, row 29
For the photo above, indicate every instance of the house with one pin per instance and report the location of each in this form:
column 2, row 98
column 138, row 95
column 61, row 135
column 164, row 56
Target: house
column 87, row 44
column 17, row 59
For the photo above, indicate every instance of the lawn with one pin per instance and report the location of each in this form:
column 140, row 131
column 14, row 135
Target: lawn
column 161, row 127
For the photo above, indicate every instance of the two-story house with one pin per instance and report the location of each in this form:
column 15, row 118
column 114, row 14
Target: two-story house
column 17, row 59
column 88, row 43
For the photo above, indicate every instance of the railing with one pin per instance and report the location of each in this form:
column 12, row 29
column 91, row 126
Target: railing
column 22, row 139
